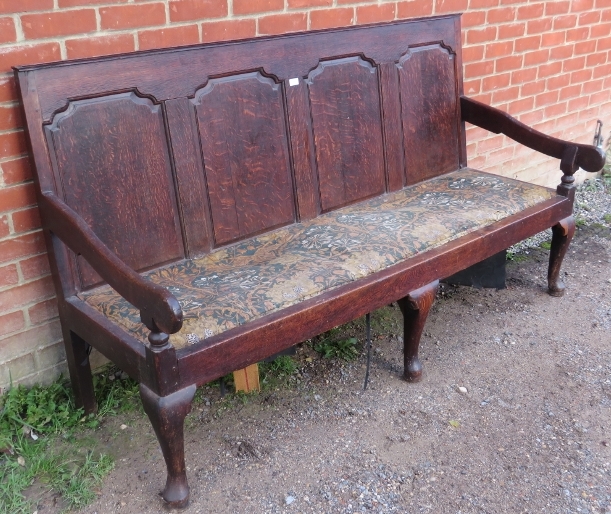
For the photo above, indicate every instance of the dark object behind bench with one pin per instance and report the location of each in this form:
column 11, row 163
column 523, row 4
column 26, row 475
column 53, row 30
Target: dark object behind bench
column 145, row 161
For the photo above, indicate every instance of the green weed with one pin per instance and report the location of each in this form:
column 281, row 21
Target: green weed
column 546, row 245
column 332, row 345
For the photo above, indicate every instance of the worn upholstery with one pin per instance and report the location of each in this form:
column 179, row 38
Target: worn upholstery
column 258, row 276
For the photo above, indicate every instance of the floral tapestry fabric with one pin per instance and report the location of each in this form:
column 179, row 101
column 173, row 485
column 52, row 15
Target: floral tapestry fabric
column 258, row 276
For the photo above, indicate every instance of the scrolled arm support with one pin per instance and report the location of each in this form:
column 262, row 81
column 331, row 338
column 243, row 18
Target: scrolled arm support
column 159, row 309
column 572, row 155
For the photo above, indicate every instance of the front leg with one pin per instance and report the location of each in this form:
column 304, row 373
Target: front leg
column 415, row 308
column 562, row 233
column 167, row 415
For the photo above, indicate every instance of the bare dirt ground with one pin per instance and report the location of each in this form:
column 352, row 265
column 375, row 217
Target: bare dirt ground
column 513, row 414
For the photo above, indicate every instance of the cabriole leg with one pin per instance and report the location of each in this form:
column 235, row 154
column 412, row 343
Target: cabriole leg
column 77, row 355
column 167, row 415
column 415, row 308
column 562, row 233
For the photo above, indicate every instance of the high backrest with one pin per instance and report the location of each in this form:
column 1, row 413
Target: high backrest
column 172, row 153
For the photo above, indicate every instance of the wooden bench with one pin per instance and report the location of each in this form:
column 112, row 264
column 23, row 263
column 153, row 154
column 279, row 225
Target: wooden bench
column 206, row 207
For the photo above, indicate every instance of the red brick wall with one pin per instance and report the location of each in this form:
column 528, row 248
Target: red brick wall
column 546, row 62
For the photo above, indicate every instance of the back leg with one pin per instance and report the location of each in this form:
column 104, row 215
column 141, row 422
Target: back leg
column 77, row 355
column 562, row 233
column 415, row 308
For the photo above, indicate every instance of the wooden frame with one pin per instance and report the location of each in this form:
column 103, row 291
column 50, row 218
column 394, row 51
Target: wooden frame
column 174, row 96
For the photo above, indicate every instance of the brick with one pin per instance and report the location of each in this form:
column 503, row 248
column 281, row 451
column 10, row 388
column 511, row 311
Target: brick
column 43, row 311
column 26, row 220
column 533, row 88
column 16, row 6
column 593, row 86
column 549, row 69
column 522, row 105
column 513, row 62
column 12, row 144
column 376, row 13
column 479, row 4
column 600, row 30
column 501, row 15
column 548, row 98
column 16, row 197
column 558, row 82
column 582, row 5
column 10, row 117
column 35, row 267
column 536, row 57
column 26, row 342
column 585, row 47
column 101, row 45
column 528, row 43
column 473, row 19
column 7, row 30
column 230, row 29
column 473, row 53
column 581, row 76
column 523, row 76
column 588, row 18
column 603, row 44
column 578, row 34
column 20, row 367
column 8, row 91
column 168, row 36
column 82, row 3
column 565, row 22
column 28, row 54
column 512, row 30
column 446, row 6
column 479, row 69
column 561, row 52
column 256, row 6
column 570, row 92
column 576, row 63
column 4, row 225
column 21, row 246
column 599, row 98
column 187, row 10
column 472, row 87
column 490, row 143
column 505, row 95
column 539, row 26
column 605, row 15
column 596, row 59
column 50, row 356
column 15, row 171
column 340, row 2
column 327, row 18
column 11, row 322
column 132, row 16
column 501, row 49
column 282, row 23
column 9, row 275
column 530, row 11
column 557, row 7
column 481, row 35
column 27, row 293
column 414, row 8
column 497, row 81
column 502, row 155
column 298, row 4
column 553, row 38
column 59, row 23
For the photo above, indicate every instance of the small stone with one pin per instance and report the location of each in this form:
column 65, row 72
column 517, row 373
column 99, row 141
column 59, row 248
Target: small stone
column 21, row 461
column 123, row 427
column 463, row 389
column 289, row 499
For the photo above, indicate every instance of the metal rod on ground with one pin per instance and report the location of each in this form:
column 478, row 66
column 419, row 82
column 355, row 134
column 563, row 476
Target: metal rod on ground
column 368, row 330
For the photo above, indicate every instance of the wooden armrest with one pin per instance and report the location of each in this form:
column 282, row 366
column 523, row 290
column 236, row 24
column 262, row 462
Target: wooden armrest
column 159, row 309
column 587, row 157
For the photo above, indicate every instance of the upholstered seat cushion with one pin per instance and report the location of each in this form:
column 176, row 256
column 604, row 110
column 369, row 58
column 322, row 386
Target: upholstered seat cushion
column 249, row 279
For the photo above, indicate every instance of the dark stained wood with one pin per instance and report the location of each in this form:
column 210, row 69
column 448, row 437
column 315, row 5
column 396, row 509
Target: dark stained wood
column 429, row 112
column 393, row 132
column 347, row 126
column 112, row 153
column 155, row 156
column 246, row 158
column 167, row 415
column 562, row 233
column 415, row 308
column 194, row 208
column 302, row 145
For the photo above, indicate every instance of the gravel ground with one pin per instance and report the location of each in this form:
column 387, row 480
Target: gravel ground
column 513, row 414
